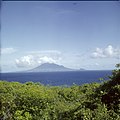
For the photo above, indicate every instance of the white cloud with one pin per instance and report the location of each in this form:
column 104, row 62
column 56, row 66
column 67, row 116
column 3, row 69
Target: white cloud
column 46, row 59
column 45, row 52
column 38, row 58
column 97, row 64
column 9, row 50
column 49, row 53
column 25, row 61
column 108, row 52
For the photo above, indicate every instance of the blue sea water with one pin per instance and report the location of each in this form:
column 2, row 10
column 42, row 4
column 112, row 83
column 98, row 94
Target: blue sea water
column 58, row 78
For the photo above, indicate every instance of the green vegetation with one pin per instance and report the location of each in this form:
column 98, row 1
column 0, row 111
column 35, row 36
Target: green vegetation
column 33, row 101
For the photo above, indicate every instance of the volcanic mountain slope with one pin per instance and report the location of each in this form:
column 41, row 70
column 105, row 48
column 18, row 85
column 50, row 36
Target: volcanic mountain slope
column 50, row 67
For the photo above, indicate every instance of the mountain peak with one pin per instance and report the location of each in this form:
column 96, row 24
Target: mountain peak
column 50, row 67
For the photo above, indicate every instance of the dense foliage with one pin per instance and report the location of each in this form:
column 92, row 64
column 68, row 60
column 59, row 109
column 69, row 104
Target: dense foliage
column 34, row 101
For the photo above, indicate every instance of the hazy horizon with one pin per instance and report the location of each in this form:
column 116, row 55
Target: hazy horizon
column 75, row 34
column 74, row 69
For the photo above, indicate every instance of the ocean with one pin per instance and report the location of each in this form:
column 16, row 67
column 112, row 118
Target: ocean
column 58, row 78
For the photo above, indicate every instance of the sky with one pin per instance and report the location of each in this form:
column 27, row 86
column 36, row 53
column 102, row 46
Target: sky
column 76, row 34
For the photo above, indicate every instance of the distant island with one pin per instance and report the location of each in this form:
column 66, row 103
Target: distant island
column 51, row 67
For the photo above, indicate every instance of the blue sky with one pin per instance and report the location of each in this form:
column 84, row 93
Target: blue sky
column 74, row 34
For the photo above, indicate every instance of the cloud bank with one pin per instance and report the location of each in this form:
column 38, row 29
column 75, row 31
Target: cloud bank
column 108, row 52
column 38, row 57
column 8, row 50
